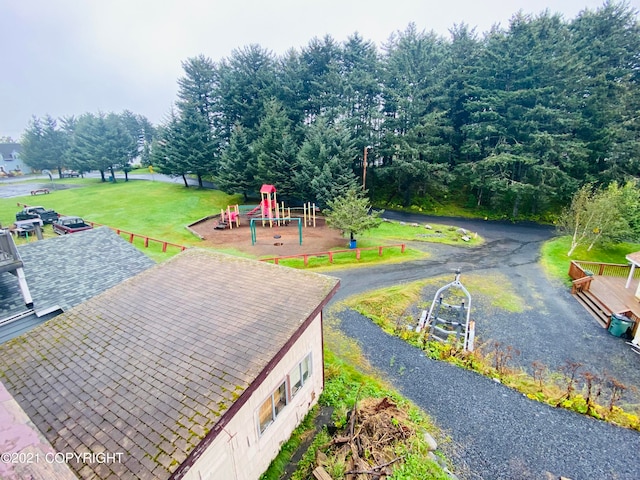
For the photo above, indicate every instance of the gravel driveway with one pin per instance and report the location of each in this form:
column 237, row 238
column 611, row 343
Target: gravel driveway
column 496, row 432
column 499, row 433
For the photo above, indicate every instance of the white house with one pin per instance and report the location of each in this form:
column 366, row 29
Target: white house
column 197, row 368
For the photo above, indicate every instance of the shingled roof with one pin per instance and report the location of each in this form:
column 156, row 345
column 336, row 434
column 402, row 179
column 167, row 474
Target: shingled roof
column 67, row 270
column 150, row 366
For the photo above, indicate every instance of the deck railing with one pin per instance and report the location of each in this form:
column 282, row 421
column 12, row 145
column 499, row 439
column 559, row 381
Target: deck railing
column 579, row 269
column 581, row 273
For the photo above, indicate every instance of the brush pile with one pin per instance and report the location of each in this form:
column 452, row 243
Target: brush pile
column 367, row 446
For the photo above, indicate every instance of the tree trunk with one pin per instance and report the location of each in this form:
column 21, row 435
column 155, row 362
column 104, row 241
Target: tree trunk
column 113, row 174
column 516, row 204
column 351, row 238
column 200, row 180
column 102, row 176
column 126, row 176
column 184, row 178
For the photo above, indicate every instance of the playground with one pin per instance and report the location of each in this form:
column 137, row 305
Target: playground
column 269, row 229
column 271, row 241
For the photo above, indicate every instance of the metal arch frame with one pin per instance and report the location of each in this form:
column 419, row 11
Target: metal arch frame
column 468, row 339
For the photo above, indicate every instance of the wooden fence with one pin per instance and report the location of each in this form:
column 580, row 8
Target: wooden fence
column 146, row 240
column 331, row 253
column 130, row 236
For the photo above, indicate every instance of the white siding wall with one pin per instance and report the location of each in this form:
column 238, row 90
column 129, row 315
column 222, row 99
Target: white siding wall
column 248, row 453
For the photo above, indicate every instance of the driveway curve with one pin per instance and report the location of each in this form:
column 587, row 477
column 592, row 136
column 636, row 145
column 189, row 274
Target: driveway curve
column 497, row 432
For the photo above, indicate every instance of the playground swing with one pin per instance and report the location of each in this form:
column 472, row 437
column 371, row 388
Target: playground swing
column 445, row 320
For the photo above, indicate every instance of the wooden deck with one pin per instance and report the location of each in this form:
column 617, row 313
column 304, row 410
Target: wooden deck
column 600, row 288
column 610, row 291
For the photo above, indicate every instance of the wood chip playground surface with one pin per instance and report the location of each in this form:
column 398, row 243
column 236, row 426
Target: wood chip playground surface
column 272, row 241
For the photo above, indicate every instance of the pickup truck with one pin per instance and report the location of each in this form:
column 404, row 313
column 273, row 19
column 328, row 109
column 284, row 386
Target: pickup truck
column 65, row 225
column 28, row 213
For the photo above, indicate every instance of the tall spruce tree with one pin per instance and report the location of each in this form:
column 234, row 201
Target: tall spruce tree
column 44, row 144
column 276, row 152
column 237, row 166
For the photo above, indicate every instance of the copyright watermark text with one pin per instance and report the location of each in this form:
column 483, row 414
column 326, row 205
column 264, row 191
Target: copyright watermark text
column 61, row 457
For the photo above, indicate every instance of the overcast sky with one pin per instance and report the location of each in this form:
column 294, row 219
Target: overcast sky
column 68, row 57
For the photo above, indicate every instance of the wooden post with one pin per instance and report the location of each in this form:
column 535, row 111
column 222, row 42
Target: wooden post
column 229, row 217
column 131, row 235
column 357, row 254
column 164, row 247
column 314, row 215
column 380, row 250
column 275, row 260
column 146, row 242
column 402, row 248
column 304, row 214
column 330, row 257
column 237, row 210
column 306, row 260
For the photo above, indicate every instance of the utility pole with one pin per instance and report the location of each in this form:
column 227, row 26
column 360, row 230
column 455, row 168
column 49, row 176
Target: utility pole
column 364, row 168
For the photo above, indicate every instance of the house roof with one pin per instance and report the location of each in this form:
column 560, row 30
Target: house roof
column 634, row 258
column 6, row 149
column 150, row 366
column 67, row 270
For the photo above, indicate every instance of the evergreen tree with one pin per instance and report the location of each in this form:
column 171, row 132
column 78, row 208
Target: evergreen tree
column 351, row 213
column 237, row 165
column 246, row 83
column 275, row 151
column 44, row 145
column 101, row 142
column 325, row 160
column 198, row 144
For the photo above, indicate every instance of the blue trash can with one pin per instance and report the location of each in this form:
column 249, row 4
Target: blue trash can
column 352, row 244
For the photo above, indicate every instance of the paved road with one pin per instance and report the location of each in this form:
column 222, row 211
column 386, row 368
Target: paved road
column 19, row 186
column 499, row 433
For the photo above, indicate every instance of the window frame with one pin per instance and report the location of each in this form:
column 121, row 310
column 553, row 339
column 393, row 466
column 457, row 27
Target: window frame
column 299, row 374
column 277, row 407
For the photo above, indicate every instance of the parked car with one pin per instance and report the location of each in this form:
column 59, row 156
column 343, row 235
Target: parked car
column 66, row 225
column 69, row 174
column 47, row 216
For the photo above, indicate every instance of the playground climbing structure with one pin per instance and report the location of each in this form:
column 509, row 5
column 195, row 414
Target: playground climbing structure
column 447, row 320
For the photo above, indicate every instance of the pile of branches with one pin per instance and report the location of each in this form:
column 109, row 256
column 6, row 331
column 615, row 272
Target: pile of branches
column 367, row 444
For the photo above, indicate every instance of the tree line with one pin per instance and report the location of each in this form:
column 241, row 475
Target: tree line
column 515, row 120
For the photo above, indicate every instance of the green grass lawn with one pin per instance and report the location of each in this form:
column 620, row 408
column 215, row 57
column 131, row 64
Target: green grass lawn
column 556, row 262
column 162, row 210
column 154, row 209
column 320, row 263
column 438, row 233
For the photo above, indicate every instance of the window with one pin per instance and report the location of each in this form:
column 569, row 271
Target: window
column 300, row 374
column 272, row 407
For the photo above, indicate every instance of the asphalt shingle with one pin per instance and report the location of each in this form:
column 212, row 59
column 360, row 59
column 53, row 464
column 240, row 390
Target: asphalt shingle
column 65, row 271
column 150, row 365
